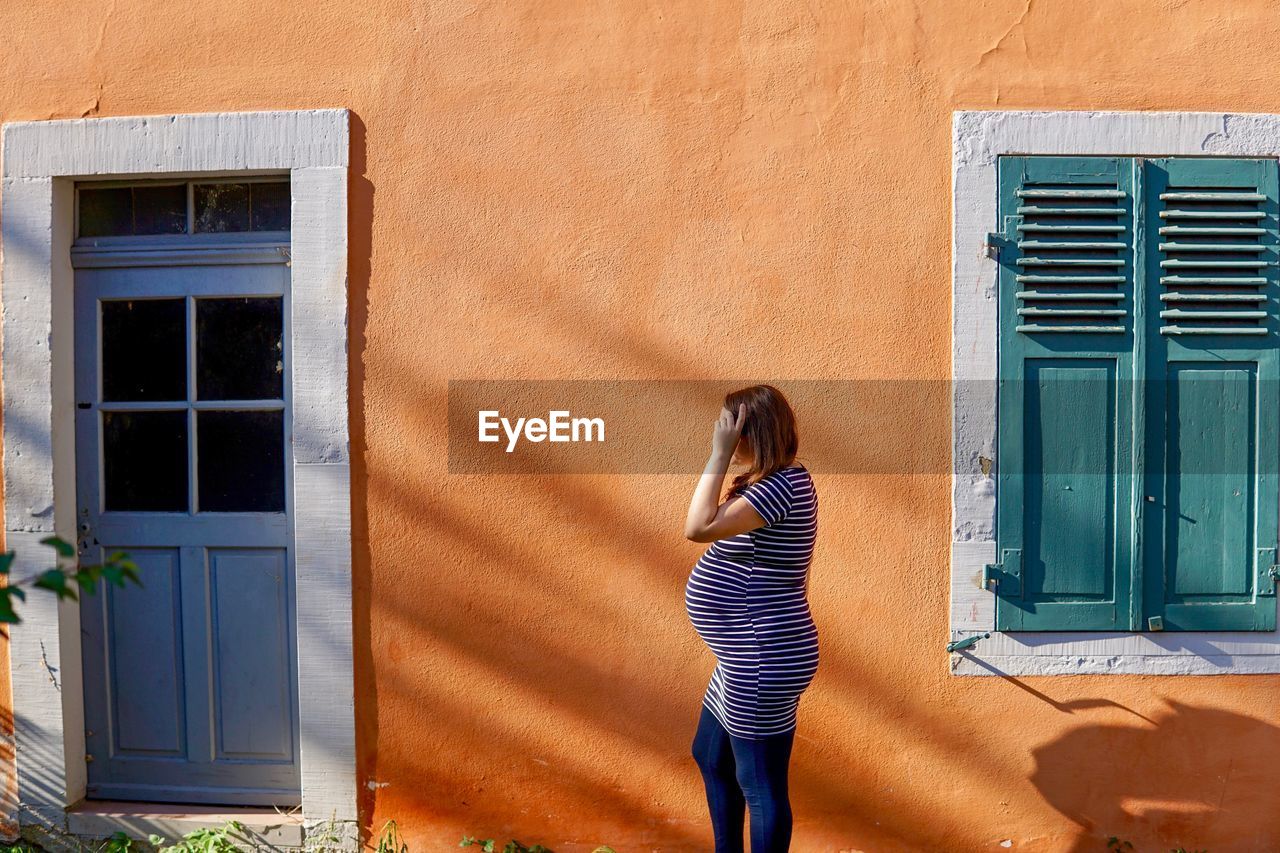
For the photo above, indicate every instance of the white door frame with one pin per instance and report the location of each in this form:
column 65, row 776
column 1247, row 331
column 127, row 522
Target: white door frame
column 42, row 161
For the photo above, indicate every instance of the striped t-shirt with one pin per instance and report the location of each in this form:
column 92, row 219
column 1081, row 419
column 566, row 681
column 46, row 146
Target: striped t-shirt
column 746, row 599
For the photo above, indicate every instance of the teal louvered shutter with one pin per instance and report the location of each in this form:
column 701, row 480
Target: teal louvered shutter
column 1066, row 411
column 1213, row 411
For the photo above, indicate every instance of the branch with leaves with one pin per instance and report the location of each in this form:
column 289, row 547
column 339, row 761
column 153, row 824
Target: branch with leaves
column 66, row 577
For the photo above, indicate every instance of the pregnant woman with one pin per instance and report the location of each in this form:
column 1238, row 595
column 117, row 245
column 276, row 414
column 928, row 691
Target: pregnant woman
column 746, row 598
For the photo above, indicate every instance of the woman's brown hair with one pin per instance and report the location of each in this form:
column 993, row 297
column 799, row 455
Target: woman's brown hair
column 769, row 430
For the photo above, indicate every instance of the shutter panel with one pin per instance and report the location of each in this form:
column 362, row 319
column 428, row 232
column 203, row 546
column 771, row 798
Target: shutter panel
column 1066, row 414
column 1212, row 409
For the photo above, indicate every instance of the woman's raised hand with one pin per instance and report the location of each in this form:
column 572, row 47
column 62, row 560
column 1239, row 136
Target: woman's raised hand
column 727, row 431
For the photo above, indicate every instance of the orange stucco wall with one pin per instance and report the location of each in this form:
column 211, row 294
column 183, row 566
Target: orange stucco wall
column 684, row 190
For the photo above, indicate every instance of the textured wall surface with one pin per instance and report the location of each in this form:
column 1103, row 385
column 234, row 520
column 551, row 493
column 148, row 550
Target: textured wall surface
column 685, row 190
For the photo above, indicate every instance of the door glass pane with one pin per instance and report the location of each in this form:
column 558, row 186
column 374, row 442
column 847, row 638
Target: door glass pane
column 145, row 460
column 222, row 207
column 241, row 461
column 133, row 211
column 106, row 212
column 239, row 353
column 269, row 206
column 160, row 209
column 144, row 349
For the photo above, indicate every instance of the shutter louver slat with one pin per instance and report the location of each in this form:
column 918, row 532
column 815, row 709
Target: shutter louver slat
column 1060, row 254
column 1208, row 269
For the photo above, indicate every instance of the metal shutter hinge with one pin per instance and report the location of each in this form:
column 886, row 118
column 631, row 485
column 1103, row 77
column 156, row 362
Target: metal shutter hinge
column 1005, row 576
column 1268, row 574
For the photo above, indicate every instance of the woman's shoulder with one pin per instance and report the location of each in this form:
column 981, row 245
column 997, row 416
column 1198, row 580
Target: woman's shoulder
column 789, row 480
column 795, row 473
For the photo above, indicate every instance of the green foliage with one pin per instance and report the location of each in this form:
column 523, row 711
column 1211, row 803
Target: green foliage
column 231, row 837
column 488, row 845
column 118, row 843
column 64, row 581
column 324, row 837
column 389, row 840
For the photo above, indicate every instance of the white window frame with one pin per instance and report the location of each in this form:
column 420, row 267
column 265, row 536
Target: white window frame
column 979, row 139
column 42, row 162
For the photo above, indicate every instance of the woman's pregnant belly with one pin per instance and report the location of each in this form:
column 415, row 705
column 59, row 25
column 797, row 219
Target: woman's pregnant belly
column 733, row 608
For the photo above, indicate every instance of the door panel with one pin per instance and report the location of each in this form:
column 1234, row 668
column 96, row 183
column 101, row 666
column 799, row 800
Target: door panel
column 1210, row 504
column 190, row 679
column 144, row 645
column 1070, row 494
column 251, row 664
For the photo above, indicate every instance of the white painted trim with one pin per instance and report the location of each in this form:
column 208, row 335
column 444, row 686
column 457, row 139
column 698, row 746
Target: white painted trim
column 978, row 140
column 41, row 162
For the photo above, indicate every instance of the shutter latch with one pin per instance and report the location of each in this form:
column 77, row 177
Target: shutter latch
column 998, row 240
column 995, row 242
column 966, row 643
column 1005, row 577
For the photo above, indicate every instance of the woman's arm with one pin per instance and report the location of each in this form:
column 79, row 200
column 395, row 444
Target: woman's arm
column 708, row 519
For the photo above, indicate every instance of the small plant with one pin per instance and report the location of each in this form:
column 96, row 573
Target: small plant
column 231, row 837
column 1185, row 850
column 323, row 837
column 488, row 845
column 389, row 840
column 118, row 843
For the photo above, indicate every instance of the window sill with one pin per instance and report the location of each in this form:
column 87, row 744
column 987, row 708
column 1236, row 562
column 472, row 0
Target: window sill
column 1172, row 653
column 104, row 818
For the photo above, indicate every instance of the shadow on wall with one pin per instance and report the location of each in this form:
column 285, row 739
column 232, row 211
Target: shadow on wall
column 1173, row 781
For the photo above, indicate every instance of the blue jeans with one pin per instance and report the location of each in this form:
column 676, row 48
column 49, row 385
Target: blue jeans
column 743, row 774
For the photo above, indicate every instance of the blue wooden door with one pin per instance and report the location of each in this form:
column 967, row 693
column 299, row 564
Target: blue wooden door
column 182, row 446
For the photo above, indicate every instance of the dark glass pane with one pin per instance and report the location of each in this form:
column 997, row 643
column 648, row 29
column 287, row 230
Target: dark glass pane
column 269, row 205
column 106, row 213
column 160, row 210
column 238, row 349
column 144, row 349
column 145, row 460
column 222, row 207
column 241, row 461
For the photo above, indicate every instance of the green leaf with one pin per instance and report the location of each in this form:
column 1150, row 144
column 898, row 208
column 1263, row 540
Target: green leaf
column 62, row 546
column 6, row 562
column 55, row 581
column 130, row 569
column 7, row 614
column 87, row 577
